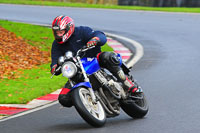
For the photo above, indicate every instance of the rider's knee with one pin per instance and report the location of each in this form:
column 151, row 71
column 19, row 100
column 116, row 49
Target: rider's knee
column 109, row 60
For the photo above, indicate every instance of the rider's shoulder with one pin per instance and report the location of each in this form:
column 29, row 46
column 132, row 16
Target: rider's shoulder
column 82, row 28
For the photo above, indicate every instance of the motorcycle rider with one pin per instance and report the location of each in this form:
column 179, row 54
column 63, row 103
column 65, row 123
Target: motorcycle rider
column 71, row 38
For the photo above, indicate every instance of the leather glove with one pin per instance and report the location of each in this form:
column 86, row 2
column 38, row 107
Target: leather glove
column 53, row 69
column 93, row 42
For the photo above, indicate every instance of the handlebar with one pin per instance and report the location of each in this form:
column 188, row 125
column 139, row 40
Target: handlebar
column 83, row 49
column 56, row 71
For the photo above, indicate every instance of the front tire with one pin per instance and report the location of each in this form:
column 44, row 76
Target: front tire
column 92, row 113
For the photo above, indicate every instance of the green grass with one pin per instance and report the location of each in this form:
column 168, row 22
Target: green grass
column 84, row 5
column 38, row 36
column 32, row 84
column 35, row 82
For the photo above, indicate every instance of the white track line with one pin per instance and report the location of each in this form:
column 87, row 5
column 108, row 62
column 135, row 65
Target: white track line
column 28, row 111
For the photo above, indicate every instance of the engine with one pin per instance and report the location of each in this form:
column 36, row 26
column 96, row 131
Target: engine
column 110, row 91
column 108, row 81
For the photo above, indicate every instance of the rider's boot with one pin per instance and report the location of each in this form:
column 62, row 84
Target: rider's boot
column 127, row 83
column 132, row 87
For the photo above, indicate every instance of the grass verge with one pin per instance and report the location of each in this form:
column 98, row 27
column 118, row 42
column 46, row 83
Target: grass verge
column 35, row 82
column 84, row 5
column 38, row 36
column 31, row 84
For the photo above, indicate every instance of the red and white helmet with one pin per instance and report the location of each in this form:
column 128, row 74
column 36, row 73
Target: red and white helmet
column 63, row 28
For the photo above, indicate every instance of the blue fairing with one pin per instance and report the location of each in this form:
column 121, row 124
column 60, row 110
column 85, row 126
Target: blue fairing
column 90, row 65
column 86, row 84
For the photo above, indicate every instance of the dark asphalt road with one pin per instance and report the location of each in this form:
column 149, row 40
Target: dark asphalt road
column 169, row 71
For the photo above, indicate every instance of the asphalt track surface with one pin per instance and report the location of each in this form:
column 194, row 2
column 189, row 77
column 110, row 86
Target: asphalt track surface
column 168, row 72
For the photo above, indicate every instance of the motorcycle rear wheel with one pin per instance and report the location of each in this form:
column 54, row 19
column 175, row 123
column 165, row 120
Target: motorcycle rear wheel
column 92, row 113
column 135, row 108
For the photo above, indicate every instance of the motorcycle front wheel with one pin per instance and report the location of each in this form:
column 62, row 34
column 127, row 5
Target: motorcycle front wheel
column 92, row 113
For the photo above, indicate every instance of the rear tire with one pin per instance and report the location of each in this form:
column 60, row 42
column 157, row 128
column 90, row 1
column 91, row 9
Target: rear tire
column 135, row 108
column 92, row 113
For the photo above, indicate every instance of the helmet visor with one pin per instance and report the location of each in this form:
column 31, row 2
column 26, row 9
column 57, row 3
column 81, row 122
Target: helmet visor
column 60, row 33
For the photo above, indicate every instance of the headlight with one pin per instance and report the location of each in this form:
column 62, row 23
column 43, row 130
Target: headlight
column 68, row 55
column 69, row 69
column 61, row 60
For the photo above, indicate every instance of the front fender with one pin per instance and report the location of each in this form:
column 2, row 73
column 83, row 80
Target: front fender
column 85, row 84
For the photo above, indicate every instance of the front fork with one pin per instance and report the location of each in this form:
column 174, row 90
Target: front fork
column 86, row 79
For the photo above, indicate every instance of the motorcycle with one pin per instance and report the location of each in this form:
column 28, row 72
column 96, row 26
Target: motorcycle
column 96, row 93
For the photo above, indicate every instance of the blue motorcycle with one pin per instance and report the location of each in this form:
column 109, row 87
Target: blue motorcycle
column 96, row 93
